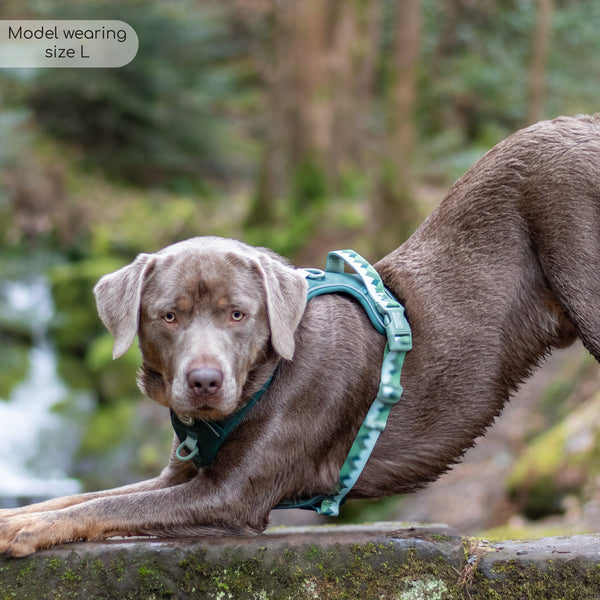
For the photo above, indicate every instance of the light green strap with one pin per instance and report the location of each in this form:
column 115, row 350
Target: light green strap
column 398, row 329
column 399, row 342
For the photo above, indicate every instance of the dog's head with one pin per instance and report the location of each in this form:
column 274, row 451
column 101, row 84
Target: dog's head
column 207, row 311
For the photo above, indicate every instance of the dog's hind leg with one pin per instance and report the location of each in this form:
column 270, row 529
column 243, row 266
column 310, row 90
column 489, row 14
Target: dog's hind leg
column 560, row 202
column 568, row 247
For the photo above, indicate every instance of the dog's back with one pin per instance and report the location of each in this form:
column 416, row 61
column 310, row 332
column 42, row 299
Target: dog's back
column 504, row 270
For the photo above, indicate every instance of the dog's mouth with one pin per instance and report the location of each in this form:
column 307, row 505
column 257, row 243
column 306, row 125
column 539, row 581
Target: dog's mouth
column 208, row 407
column 203, row 413
column 213, row 408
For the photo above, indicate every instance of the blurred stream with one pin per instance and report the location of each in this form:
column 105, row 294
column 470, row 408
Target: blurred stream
column 37, row 442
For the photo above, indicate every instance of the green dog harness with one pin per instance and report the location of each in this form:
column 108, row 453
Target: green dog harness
column 202, row 439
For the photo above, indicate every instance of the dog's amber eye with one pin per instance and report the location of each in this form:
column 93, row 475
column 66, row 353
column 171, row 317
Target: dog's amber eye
column 170, row 317
column 237, row 315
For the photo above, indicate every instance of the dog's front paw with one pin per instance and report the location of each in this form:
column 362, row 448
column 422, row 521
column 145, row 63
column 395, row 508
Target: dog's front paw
column 24, row 534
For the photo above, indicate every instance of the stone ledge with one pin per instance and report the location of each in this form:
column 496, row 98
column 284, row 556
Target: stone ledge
column 384, row 560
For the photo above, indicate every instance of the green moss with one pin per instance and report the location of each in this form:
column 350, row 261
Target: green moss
column 117, row 567
column 98, row 569
column 71, row 577
column 331, row 571
column 565, row 580
column 362, row 571
column 529, row 531
column 558, row 463
column 27, row 570
column 540, row 459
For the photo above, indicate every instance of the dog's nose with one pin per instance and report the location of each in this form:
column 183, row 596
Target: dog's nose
column 205, row 380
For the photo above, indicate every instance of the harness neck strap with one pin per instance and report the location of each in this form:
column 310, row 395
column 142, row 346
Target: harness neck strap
column 202, row 439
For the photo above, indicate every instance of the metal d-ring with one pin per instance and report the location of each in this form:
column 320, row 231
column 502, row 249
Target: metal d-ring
column 191, row 445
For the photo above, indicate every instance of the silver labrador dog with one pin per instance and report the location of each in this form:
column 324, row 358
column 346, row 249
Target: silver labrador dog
column 504, row 270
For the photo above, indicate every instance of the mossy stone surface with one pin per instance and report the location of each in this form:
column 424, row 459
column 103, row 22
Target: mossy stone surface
column 381, row 561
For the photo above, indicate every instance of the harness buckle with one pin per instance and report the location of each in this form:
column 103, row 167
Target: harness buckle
column 397, row 329
column 311, row 273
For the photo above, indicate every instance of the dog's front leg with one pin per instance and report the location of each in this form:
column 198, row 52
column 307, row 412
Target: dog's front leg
column 193, row 508
column 175, row 473
column 55, row 504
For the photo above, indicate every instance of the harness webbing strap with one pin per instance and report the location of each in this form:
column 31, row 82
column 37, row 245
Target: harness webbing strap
column 399, row 343
column 202, row 439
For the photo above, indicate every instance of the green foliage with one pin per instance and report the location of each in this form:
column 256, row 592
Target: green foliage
column 113, row 378
column 573, row 69
column 533, row 483
column 14, row 362
column 85, row 347
column 474, row 77
column 76, row 323
column 473, row 80
column 108, row 426
column 309, row 186
column 153, row 121
column 140, row 222
column 475, row 60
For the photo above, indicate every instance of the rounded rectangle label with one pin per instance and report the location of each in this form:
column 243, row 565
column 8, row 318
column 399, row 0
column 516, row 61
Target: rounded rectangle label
column 66, row 44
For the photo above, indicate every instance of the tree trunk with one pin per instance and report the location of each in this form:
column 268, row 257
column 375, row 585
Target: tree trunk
column 318, row 63
column 395, row 210
column 537, row 68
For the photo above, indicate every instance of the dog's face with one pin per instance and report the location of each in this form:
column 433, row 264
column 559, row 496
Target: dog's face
column 208, row 311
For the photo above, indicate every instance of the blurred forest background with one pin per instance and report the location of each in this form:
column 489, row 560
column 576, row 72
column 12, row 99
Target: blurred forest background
column 302, row 125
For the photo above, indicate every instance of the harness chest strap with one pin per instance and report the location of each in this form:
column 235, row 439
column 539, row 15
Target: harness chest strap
column 202, row 439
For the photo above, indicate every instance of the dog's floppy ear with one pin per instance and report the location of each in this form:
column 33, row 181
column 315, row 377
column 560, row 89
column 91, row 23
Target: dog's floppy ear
column 285, row 291
column 118, row 298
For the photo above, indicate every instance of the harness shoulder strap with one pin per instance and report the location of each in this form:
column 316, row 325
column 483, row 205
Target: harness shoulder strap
column 327, row 282
column 399, row 341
